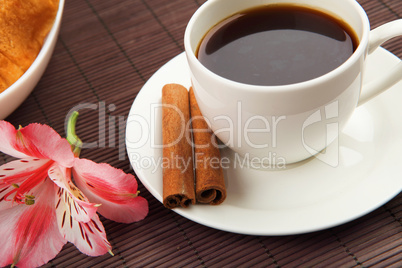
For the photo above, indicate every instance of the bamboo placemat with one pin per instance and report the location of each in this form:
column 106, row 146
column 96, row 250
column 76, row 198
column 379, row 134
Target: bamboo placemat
column 106, row 51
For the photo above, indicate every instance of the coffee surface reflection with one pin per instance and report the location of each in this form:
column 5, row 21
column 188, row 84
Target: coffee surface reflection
column 277, row 45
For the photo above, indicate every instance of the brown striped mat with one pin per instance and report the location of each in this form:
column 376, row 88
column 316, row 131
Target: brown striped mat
column 106, row 51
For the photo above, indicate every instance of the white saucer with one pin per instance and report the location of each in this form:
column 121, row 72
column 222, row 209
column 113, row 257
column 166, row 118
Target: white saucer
column 308, row 197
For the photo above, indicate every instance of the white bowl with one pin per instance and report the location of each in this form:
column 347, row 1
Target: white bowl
column 13, row 96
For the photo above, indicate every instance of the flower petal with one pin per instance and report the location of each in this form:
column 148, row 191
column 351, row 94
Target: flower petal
column 111, row 187
column 18, row 177
column 30, row 236
column 7, row 142
column 89, row 237
column 69, row 197
column 35, row 140
column 44, row 142
column 18, row 170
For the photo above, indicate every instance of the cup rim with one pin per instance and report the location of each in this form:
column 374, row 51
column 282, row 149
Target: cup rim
column 360, row 50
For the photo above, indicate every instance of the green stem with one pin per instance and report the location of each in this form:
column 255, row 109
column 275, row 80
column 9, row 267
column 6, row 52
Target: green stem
column 72, row 138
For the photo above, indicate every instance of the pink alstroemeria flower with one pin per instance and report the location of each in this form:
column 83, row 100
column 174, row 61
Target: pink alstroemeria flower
column 40, row 206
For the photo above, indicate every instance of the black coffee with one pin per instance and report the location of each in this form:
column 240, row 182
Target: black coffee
column 277, row 45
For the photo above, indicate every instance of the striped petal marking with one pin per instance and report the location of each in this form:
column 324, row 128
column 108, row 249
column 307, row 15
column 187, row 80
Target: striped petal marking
column 29, row 234
column 18, row 178
column 89, row 237
column 70, row 200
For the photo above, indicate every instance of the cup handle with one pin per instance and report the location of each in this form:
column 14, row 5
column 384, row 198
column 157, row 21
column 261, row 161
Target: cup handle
column 378, row 36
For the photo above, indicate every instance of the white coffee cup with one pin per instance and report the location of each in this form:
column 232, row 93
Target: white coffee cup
column 290, row 122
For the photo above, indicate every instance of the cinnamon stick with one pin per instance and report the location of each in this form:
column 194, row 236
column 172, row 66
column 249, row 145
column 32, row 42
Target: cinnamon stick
column 178, row 176
column 209, row 183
